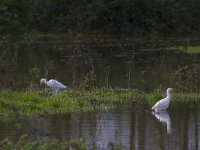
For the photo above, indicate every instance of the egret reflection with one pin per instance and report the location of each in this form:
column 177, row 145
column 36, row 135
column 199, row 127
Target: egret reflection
column 164, row 117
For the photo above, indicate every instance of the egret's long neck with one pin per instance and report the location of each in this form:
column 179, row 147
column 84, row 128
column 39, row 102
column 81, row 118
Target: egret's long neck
column 169, row 95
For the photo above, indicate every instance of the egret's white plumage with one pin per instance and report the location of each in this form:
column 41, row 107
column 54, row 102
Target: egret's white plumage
column 54, row 85
column 163, row 104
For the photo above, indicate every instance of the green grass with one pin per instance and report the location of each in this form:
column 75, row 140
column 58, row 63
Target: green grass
column 193, row 49
column 24, row 103
column 14, row 103
column 187, row 49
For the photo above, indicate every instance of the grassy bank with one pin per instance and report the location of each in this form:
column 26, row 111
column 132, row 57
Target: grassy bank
column 13, row 103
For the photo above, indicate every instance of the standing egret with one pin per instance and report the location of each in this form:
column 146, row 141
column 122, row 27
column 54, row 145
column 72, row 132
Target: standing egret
column 54, row 85
column 163, row 104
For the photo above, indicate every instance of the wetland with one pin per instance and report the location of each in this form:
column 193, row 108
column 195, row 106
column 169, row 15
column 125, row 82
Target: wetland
column 111, row 84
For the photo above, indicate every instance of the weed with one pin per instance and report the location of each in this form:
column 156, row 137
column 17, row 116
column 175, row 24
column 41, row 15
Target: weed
column 187, row 78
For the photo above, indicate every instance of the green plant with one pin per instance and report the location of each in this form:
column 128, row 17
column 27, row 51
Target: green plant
column 88, row 81
column 187, row 78
column 34, row 73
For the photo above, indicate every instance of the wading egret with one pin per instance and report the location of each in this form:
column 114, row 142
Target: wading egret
column 54, row 85
column 163, row 104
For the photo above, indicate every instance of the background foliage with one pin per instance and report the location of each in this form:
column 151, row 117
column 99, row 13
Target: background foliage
column 135, row 17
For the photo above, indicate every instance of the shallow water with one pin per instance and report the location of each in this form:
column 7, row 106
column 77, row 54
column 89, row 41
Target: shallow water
column 133, row 128
column 119, row 63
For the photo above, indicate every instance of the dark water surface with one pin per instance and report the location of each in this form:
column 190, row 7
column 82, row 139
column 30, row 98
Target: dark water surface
column 177, row 129
column 120, row 63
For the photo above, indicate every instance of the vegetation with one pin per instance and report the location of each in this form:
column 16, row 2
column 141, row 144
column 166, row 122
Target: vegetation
column 136, row 17
column 23, row 143
column 189, row 49
column 193, row 49
column 187, row 78
column 14, row 104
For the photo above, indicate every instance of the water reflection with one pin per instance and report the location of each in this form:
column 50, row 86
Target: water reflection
column 163, row 117
column 115, row 65
column 131, row 129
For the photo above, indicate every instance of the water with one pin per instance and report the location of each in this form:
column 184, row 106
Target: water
column 134, row 128
column 120, row 63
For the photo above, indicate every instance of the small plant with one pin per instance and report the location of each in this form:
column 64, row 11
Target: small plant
column 89, row 81
column 34, row 73
column 187, row 78
column 78, row 145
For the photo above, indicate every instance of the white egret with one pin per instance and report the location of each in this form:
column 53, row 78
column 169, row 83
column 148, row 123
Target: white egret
column 163, row 104
column 54, row 85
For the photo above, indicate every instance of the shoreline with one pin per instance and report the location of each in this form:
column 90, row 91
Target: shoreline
column 30, row 104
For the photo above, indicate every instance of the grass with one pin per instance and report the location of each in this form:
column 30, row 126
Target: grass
column 193, row 49
column 190, row 49
column 14, row 103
